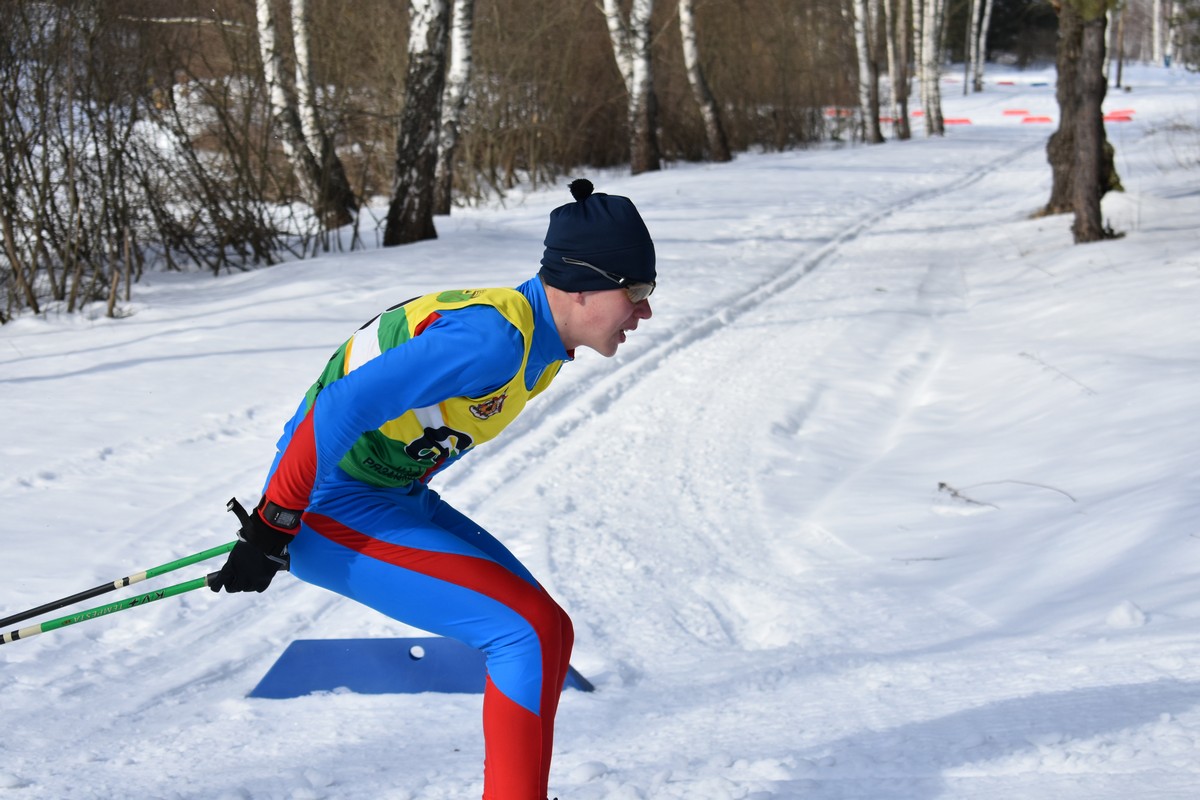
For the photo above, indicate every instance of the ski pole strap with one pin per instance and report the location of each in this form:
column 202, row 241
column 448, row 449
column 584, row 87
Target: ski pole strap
column 110, row 608
column 120, row 583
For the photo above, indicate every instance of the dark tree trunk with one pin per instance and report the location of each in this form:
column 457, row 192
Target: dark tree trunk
column 1090, row 185
column 1080, row 156
column 1060, row 150
column 336, row 203
column 901, row 31
column 645, row 156
column 874, row 132
column 410, row 216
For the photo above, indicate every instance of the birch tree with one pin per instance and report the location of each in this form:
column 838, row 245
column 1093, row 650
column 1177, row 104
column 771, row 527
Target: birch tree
column 929, row 31
column 454, row 99
column 337, row 201
column 980, row 45
column 315, row 163
column 971, row 41
column 410, row 215
column 868, row 74
column 631, row 47
column 714, row 131
column 1156, row 47
column 896, row 35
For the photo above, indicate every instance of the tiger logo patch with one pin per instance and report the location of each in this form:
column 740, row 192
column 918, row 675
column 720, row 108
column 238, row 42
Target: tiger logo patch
column 489, row 408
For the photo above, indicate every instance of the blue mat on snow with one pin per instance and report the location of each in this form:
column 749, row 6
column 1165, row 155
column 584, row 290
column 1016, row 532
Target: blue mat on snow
column 381, row 666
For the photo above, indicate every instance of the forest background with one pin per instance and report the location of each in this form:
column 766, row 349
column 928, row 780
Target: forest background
column 224, row 135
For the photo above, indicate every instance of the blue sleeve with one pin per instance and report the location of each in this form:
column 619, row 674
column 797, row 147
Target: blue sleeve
column 467, row 352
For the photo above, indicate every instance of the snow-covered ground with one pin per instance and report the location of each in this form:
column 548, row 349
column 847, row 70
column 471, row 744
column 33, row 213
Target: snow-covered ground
column 896, row 496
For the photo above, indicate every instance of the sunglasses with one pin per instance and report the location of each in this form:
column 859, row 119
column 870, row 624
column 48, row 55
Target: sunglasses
column 637, row 291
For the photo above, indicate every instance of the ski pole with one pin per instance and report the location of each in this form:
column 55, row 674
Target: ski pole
column 137, row 577
column 111, row 608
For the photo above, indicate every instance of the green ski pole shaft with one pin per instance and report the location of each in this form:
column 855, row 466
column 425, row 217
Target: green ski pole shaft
column 105, row 610
column 120, row 583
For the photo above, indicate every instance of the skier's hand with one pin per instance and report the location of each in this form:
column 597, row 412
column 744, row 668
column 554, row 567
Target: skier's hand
column 260, row 552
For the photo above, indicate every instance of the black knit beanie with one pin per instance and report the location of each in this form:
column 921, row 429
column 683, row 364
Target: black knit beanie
column 604, row 230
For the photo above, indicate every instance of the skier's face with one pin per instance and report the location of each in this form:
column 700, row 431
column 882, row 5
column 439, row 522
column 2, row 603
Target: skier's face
column 608, row 316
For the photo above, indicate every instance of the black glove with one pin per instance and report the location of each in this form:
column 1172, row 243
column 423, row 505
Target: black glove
column 261, row 550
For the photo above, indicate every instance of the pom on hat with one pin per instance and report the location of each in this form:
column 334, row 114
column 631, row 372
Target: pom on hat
column 581, row 189
column 603, row 230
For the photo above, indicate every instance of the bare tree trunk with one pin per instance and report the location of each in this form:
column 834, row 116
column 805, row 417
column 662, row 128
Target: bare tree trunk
column 971, row 44
column 1060, row 148
column 1081, row 158
column 718, row 144
column 981, row 44
column 931, row 94
column 454, row 98
column 410, row 215
column 1156, row 38
column 1120, row 47
column 898, row 33
column 296, row 121
column 283, row 112
column 874, row 15
column 631, row 47
column 1090, row 140
column 336, row 202
column 868, row 74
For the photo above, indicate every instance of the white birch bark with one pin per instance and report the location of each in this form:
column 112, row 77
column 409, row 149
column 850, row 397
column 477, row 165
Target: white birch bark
column 1156, row 39
column 306, row 99
column 618, row 33
column 454, row 98
column 281, row 113
column 631, row 48
column 859, row 19
column 319, row 173
column 714, row 130
column 918, row 15
column 981, row 44
column 931, row 18
column 972, row 43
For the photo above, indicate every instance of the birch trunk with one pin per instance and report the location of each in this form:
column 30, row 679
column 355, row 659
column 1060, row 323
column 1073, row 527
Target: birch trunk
column 336, row 203
column 315, row 165
column 931, row 94
column 454, row 99
column 972, row 43
column 889, row 42
column 1168, row 38
column 861, row 20
column 410, row 215
column 1156, row 43
column 718, row 143
column 981, row 44
column 631, row 48
column 283, row 114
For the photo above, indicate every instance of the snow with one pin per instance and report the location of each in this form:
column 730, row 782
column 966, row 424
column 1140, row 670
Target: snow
column 894, row 497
